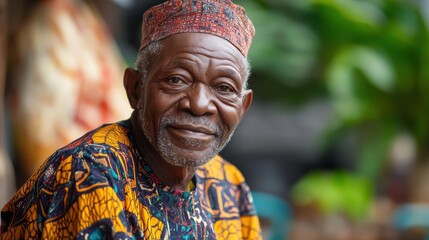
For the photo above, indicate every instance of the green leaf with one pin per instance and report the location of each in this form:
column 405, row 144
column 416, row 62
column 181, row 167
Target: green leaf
column 361, row 12
column 351, row 95
column 335, row 192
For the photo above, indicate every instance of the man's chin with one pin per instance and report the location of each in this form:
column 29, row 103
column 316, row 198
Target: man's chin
column 187, row 158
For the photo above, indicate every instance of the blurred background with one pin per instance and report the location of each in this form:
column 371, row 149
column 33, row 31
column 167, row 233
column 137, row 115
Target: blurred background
column 335, row 145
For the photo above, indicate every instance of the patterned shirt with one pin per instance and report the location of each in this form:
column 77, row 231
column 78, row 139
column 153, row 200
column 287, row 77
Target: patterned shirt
column 99, row 187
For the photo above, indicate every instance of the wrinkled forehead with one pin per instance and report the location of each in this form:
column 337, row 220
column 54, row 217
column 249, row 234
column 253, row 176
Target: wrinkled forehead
column 204, row 51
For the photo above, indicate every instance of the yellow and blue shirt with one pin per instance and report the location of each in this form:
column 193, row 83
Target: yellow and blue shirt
column 99, row 187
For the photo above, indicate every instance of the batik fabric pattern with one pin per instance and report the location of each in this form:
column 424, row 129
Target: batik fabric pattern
column 99, row 187
column 222, row 18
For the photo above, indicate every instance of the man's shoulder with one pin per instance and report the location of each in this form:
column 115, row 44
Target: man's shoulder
column 217, row 161
column 90, row 160
column 98, row 149
column 111, row 134
column 92, row 153
column 219, row 168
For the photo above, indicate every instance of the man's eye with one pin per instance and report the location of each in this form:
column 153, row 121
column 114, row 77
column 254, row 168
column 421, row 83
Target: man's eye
column 175, row 80
column 226, row 89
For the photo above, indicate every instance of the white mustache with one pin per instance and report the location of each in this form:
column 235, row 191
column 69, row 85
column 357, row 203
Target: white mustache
column 190, row 120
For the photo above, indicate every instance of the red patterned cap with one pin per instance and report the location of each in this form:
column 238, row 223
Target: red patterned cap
column 218, row 17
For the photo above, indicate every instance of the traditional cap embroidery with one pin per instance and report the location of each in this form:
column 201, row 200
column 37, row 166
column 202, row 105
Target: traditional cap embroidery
column 218, row 17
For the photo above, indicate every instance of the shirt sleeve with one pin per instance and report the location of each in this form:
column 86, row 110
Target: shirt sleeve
column 74, row 195
column 240, row 221
column 250, row 226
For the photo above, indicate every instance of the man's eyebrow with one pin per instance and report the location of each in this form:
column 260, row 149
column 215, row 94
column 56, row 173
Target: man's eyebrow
column 228, row 70
column 224, row 70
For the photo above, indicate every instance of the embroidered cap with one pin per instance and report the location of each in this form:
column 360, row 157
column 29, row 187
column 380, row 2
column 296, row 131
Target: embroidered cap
column 218, row 17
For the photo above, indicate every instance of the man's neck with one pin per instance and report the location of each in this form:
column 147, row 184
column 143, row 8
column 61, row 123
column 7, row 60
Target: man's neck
column 174, row 176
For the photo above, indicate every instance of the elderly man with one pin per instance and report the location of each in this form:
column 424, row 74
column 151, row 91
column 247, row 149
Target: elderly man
column 156, row 175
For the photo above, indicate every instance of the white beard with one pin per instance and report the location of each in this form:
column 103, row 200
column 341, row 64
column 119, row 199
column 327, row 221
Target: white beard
column 163, row 144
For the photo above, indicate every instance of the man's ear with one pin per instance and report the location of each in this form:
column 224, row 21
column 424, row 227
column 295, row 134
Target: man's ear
column 132, row 83
column 247, row 101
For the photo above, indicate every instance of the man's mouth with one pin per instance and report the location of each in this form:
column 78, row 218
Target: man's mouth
column 192, row 131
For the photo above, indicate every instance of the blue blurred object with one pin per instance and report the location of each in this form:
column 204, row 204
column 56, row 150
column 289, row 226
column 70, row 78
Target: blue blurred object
column 412, row 215
column 276, row 211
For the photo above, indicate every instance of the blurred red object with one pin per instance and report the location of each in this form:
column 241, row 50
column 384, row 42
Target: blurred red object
column 66, row 79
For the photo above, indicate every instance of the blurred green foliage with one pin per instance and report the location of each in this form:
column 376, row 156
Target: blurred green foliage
column 335, row 192
column 368, row 57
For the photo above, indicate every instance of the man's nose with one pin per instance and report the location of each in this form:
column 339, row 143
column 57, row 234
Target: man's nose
column 198, row 101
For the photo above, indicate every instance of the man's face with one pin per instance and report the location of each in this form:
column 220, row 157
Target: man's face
column 193, row 98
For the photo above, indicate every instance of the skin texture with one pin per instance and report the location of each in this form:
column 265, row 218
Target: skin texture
column 191, row 103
